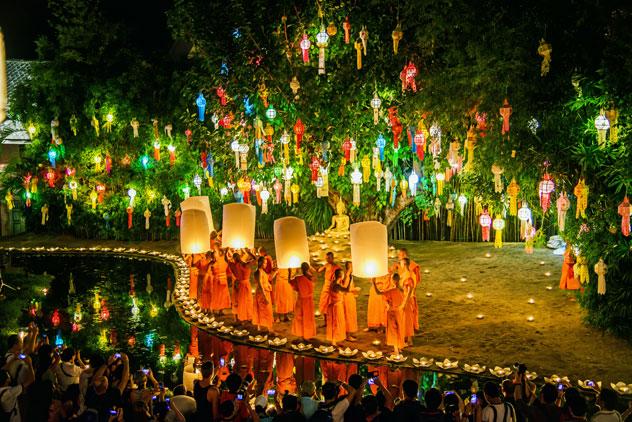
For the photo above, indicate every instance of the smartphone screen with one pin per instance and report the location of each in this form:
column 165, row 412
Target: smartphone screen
column 560, row 387
column 271, row 392
column 473, row 399
column 222, row 362
column 371, row 381
column 240, row 396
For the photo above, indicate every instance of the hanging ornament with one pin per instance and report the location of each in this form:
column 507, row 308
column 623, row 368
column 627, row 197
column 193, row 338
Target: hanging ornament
column 96, row 125
column 601, row 269
column 50, row 177
column 314, row 166
column 244, row 187
column 346, row 25
column 545, row 50
column 168, row 130
column 512, row 192
column 105, row 312
column 380, row 144
column 499, row 225
column 130, row 212
column 358, row 47
column 322, row 40
column 157, row 150
column 93, row 199
column 498, row 182
column 581, row 269
column 419, row 142
column 397, row 36
column 413, row 179
column 305, row 44
column 178, row 215
column 109, row 118
column 612, row 116
column 462, row 200
column 197, row 182
column 55, row 318
column 172, row 154
column 278, row 188
column 135, row 124
column 366, row 168
column 356, row 181
column 166, row 205
column 352, row 151
column 288, row 173
column 563, row 205
column 108, row 164
column 407, row 76
column 364, row 37
column 9, row 198
column 470, row 145
column 533, row 125
column 378, row 179
column 265, row 195
column 147, row 215
column 393, row 192
column 235, row 147
column 186, row 191
column 243, row 156
column 546, row 187
column 52, row 157
column 154, row 125
column 524, row 215
column 602, row 125
column 375, row 105
column 69, row 214
column 449, row 206
column 388, row 178
column 485, row 221
column 299, row 130
column 100, row 188
column 403, row 186
column 131, row 193
column 285, row 141
column 581, row 192
column 346, row 149
column 201, row 105
column 396, row 126
column 221, row 94
column 624, row 210
column 295, row 188
column 505, row 111
column 44, row 211
column 440, row 177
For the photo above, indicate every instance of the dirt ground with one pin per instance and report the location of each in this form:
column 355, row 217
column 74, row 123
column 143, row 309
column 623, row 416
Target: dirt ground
column 556, row 342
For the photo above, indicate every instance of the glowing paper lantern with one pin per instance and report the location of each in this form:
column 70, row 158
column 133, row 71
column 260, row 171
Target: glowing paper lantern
column 322, row 39
column 271, row 112
column 356, row 180
column 238, row 226
column 380, row 143
column 546, row 187
column 194, row 232
column 305, row 44
column 499, row 225
column 440, row 180
column 290, row 242
column 201, row 105
column 369, row 249
column 375, row 105
column 623, row 210
column 199, row 203
column 602, row 125
column 485, row 221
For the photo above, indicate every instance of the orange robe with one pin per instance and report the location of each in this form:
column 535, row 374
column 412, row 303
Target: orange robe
column 568, row 280
column 336, row 327
column 409, row 306
column 243, row 292
column 304, row 323
column 394, row 319
column 376, row 314
column 415, row 269
column 283, row 293
column 262, row 315
column 330, row 269
column 351, row 311
column 285, row 372
column 220, row 296
column 193, row 284
column 204, row 281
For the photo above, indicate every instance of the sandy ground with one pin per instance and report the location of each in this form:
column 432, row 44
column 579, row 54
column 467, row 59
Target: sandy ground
column 556, row 342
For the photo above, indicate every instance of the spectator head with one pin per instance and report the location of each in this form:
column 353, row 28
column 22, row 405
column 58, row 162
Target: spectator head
column 338, row 274
column 261, row 402
column 571, row 394
column 236, row 257
column 491, row 390
column 233, row 382
column 451, row 403
column 577, row 406
column 289, row 403
column 308, row 388
column 305, row 268
column 207, row 369
column 355, row 381
column 402, row 253
column 5, row 378
column 101, row 385
column 410, row 388
column 370, row 405
column 330, row 391
column 14, row 343
column 608, row 399
column 381, row 399
column 140, row 378
column 179, row 390
column 433, row 399
column 67, row 354
column 508, row 388
column 548, row 394
column 330, row 257
column 405, row 262
column 227, row 409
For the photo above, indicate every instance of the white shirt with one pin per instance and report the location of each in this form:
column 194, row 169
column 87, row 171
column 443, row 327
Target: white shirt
column 606, row 416
column 338, row 412
column 308, row 407
column 67, row 374
column 185, row 404
column 9, row 401
column 488, row 413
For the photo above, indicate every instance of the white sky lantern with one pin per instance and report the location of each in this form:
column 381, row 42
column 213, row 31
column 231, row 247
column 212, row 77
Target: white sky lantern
column 238, row 226
column 194, row 232
column 369, row 249
column 199, row 203
column 290, row 242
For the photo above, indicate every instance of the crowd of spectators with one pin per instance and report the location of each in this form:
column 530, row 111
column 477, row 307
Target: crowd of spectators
column 39, row 382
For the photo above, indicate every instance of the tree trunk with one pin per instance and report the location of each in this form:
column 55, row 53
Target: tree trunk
column 391, row 215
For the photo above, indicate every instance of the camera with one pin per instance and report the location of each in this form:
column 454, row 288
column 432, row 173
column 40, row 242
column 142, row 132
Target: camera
column 271, row 392
column 117, row 355
column 240, row 396
column 22, row 356
column 473, row 399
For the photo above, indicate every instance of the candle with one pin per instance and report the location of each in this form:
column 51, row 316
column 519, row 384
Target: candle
column 548, row 274
column 530, row 318
column 531, row 301
column 317, row 313
column 549, row 287
column 426, row 271
column 469, row 295
column 463, row 278
column 488, row 255
column 480, row 316
column 376, row 342
column 541, row 262
column 428, row 294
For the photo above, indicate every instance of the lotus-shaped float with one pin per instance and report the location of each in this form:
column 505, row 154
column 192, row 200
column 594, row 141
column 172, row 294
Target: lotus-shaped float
column 423, row 362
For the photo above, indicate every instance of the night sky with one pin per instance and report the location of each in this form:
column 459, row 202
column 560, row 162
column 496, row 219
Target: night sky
column 24, row 21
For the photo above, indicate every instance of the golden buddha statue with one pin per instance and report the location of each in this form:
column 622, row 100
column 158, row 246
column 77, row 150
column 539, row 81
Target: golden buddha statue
column 339, row 222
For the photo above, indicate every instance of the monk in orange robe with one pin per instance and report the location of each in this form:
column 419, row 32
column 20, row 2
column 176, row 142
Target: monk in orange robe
column 376, row 313
column 262, row 315
column 304, row 323
column 285, row 372
column 406, row 278
column 220, row 294
column 568, row 280
column 283, row 295
column 394, row 306
column 243, row 303
column 415, row 270
column 194, row 272
column 329, row 268
column 349, row 298
column 207, row 281
column 336, row 327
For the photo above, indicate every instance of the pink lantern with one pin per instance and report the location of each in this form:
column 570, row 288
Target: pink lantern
column 485, row 221
column 305, row 45
column 315, row 167
column 624, row 211
column 420, row 144
column 546, row 187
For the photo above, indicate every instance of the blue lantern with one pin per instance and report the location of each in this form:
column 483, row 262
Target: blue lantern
column 223, row 69
column 59, row 341
column 381, row 143
column 248, row 106
column 259, row 151
column 393, row 195
column 210, row 164
column 144, row 160
column 239, row 197
column 201, row 105
column 411, row 135
column 52, row 157
column 149, row 340
column 236, row 33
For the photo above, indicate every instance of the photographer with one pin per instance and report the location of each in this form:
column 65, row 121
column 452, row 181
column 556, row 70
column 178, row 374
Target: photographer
column 9, row 394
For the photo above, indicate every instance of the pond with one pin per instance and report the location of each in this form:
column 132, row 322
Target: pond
column 104, row 304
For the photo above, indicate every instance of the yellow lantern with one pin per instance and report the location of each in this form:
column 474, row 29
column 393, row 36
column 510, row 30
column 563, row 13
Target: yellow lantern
column 194, row 232
column 199, row 203
column 499, row 225
column 238, row 226
column 290, row 242
column 369, row 249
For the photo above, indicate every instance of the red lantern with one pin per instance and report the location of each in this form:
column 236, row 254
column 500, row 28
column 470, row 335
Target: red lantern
column 346, row 25
column 55, row 319
column 189, row 135
column 299, row 130
column 396, row 126
column 75, row 327
column 50, row 176
column 305, row 45
column 546, row 187
column 131, row 341
column 407, row 77
column 221, row 93
column 485, row 221
column 105, row 312
column 420, row 145
column 178, row 214
column 100, row 192
column 226, row 121
column 108, row 164
column 130, row 213
column 315, row 166
column 346, row 148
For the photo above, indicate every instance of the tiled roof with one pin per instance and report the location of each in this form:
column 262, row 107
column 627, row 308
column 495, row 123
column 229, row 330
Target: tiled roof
column 18, row 71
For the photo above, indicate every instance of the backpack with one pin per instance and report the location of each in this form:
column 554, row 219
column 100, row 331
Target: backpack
column 509, row 411
column 6, row 416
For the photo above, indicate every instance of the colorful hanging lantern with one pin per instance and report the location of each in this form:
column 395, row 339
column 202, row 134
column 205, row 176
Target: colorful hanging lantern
column 485, row 221
column 498, row 183
column 613, row 116
column 271, row 112
column 601, row 269
column 364, row 37
column 403, row 186
column 380, row 144
column 546, row 187
column 499, row 225
column 505, row 111
column 366, row 168
column 602, row 125
column 144, row 161
column 243, row 156
column 419, row 141
column 358, row 47
column 624, row 210
column 157, row 150
column 105, row 312
column 346, row 26
column 172, row 154
column 50, row 177
column 356, row 180
column 462, row 200
column 512, row 192
column 55, row 318
column 52, row 157
column 397, row 36
column 581, row 192
column 131, row 193
column 265, row 195
column 440, row 176
column 201, row 105
column 544, row 51
column 376, row 103
column 396, row 126
column 299, row 130
column 305, row 44
column 197, row 182
column 407, row 76
column 100, row 187
column 322, row 39
column 93, row 199
column 563, row 205
column 413, row 180
column 78, row 315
